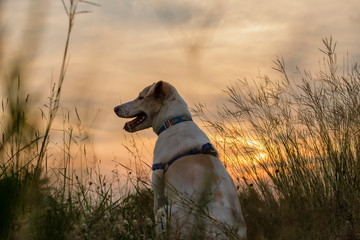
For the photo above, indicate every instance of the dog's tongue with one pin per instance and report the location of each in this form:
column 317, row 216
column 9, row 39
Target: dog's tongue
column 129, row 125
column 133, row 123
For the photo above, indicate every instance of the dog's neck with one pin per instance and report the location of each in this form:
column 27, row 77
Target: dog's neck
column 174, row 108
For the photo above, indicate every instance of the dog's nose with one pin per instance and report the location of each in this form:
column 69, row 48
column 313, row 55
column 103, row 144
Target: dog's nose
column 116, row 109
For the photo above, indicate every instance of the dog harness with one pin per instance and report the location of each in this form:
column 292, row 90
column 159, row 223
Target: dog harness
column 207, row 148
column 174, row 121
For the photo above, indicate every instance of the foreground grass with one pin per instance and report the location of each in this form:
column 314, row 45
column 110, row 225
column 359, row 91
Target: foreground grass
column 43, row 200
column 33, row 211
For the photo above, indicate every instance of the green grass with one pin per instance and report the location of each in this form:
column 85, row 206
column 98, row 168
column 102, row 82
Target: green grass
column 306, row 185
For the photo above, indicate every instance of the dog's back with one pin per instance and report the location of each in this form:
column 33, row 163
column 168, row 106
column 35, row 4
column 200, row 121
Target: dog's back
column 202, row 200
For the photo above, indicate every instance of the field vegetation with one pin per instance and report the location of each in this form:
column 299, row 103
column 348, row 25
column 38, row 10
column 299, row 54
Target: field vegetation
column 291, row 144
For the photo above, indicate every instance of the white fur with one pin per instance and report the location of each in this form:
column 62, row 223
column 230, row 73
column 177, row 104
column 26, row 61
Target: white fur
column 189, row 179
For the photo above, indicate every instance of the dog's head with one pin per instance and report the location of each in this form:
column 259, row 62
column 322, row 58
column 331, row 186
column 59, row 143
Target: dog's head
column 145, row 107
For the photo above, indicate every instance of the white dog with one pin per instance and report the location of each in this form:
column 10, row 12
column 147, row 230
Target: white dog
column 194, row 196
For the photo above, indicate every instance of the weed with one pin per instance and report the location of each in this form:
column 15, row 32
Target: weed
column 294, row 148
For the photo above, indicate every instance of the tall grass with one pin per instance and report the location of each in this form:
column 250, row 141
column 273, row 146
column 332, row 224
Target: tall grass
column 294, row 148
column 40, row 199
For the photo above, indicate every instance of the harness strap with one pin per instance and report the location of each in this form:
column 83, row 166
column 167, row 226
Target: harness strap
column 207, row 148
column 173, row 121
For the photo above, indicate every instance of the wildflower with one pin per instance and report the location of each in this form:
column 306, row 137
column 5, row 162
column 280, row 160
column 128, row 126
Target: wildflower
column 86, row 213
column 148, row 222
column 106, row 215
column 118, row 228
column 135, row 223
column 83, row 227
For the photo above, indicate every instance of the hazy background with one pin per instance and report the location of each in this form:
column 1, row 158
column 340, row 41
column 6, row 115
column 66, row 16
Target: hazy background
column 199, row 46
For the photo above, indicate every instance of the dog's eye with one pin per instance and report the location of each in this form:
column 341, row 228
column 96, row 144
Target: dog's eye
column 141, row 97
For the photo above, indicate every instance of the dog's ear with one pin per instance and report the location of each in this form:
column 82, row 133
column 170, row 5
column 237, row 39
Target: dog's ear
column 157, row 90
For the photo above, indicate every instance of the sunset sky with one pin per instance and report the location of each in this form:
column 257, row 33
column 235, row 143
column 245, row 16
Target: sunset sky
column 201, row 47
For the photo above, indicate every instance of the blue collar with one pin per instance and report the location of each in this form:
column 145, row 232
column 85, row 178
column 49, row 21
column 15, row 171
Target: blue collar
column 207, row 148
column 173, row 121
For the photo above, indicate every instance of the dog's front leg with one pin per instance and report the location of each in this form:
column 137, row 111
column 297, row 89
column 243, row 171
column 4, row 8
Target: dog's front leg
column 158, row 186
column 159, row 203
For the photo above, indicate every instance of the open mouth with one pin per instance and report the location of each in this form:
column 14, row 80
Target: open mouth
column 139, row 119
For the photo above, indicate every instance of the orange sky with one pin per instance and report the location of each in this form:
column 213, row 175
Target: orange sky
column 199, row 46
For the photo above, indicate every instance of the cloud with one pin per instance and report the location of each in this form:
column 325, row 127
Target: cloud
column 184, row 13
column 191, row 14
column 127, row 44
column 177, row 13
